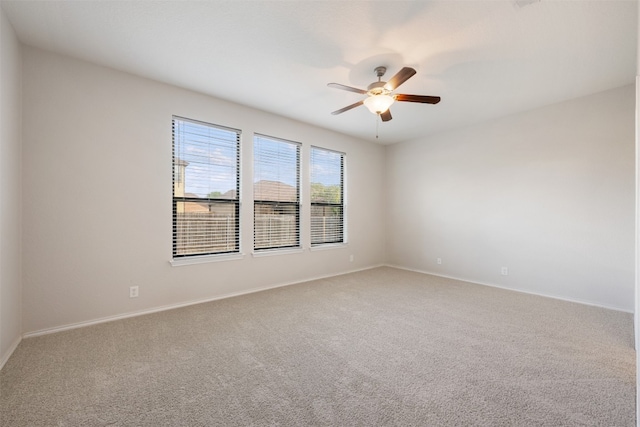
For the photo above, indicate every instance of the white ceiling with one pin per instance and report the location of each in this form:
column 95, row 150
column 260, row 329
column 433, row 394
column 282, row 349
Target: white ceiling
column 486, row 59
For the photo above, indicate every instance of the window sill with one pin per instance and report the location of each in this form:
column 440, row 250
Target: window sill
column 329, row 246
column 271, row 252
column 202, row 259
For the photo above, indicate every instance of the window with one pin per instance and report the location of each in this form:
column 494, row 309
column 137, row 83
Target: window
column 327, row 196
column 276, row 193
column 206, row 187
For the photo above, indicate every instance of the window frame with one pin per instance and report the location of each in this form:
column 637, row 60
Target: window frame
column 190, row 257
column 341, row 206
column 275, row 204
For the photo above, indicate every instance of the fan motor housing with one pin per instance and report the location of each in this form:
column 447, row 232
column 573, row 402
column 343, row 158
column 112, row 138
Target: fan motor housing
column 377, row 88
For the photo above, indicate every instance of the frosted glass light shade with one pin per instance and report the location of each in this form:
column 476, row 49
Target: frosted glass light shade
column 378, row 104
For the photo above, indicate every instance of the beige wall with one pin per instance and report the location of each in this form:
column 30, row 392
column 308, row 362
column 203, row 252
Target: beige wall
column 10, row 198
column 547, row 193
column 97, row 196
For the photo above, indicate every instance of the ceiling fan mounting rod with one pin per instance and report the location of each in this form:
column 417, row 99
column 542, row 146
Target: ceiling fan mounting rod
column 380, row 71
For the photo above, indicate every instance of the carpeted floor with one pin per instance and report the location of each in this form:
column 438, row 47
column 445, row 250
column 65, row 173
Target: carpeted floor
column 378, row 347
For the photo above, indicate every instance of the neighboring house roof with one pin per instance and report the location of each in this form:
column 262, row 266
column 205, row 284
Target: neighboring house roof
column 274, row 190
column 206, row 206
column 231, row 194
column 196, row 207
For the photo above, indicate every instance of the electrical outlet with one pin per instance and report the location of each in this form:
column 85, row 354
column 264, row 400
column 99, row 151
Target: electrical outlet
column 133, row 292
column 439, row 260
column 504, row 271
column 351, row 258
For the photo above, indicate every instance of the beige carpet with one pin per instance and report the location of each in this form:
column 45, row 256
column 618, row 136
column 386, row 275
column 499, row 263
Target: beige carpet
column 378, row 347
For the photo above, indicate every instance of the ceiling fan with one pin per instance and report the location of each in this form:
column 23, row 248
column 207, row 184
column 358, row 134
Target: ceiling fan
column 380, row 94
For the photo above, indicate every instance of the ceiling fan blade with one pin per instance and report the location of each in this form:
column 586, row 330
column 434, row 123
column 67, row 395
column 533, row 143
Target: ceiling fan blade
column 418, row 98
column 401, row 77
column 386, row 116
column 348, row 107
column 349, row 88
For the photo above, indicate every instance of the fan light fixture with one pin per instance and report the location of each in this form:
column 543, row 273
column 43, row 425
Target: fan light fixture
column 378, row 104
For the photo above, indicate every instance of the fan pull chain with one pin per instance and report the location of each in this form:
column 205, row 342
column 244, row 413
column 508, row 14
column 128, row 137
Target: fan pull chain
column 377, row 124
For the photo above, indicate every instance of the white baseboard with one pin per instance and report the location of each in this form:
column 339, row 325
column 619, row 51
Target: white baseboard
column 280, row 285
column 577, row 301
column 182, row 304
column 7, row 355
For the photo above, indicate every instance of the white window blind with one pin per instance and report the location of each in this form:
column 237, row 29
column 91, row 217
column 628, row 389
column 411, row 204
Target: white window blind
column 206, row 178
column 276, row 193
column 327, row 196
